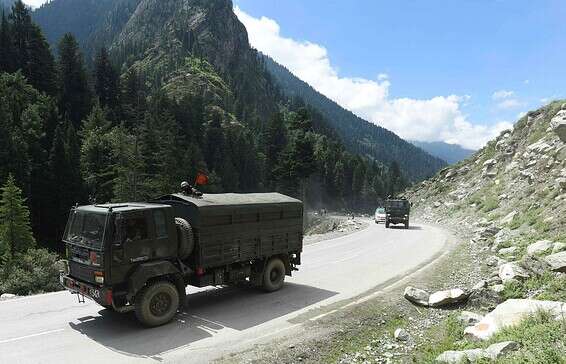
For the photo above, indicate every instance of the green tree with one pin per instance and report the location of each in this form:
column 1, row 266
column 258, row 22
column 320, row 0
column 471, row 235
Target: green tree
column 6, row 45
column 15, row 231
column 74, row 93
column 30, row 50
column 106, row 84
column 275, row 143
column 96, row 156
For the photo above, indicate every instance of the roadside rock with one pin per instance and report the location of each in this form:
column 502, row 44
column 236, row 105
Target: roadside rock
column 469, row 318
column 7, row 296
column 511, row 313
column 448, row 297
column 472, row 355
column 534, row 264
column 497, row 288
column 509, row 217
column 557, row 262
column 540, row 247
column 401, row 335
column 415, row 295
column 558, row 247
column 452, row 357
column 507, row 251
column 509, row 271
column 558, row 125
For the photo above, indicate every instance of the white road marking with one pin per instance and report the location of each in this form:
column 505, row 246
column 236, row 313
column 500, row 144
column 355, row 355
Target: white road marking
column 30, row 336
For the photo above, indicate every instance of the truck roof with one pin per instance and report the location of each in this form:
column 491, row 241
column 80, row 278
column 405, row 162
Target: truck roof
column 121, row 207
column 232, row 199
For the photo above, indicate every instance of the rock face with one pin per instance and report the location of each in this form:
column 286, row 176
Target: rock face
column 512, row 271
column 448, row 297
column 418, row 296
column 511, row 313
column 558, row 124
column 7, row 296
column 540, row 247
column 401, row 335
column 469, row 318
column 472, row 355
column 557, row 262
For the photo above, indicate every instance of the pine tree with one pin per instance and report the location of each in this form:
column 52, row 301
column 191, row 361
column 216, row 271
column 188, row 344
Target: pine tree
column 30, row 51
column 133, row 99
column 275, row 143
column 96, row 158
column 107, row 84
column 15, row 231
column 6, row 46
column 74, row 94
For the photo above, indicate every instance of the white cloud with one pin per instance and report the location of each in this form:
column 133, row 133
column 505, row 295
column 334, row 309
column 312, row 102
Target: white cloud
column 509, row 104
column 35, row 3
column 439, row 118
column 502, row 94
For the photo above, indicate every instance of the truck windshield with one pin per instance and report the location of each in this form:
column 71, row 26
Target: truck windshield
column 85, row 229
column 399, row 204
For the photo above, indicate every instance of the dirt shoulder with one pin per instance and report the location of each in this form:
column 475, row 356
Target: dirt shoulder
column 364, row 331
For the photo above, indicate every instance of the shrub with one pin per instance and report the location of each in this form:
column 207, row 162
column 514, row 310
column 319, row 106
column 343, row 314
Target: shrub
column 32, row 272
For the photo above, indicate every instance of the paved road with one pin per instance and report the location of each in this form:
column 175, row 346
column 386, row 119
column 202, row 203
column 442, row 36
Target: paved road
column 55, row 328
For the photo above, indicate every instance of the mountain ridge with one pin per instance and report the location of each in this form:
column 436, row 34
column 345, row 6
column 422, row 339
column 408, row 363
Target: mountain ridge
column 451, row 153
column 178, row 30
column 366, row 138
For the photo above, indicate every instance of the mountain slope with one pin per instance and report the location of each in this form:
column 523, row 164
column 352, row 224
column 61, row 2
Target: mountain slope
column 359, row 135
column 516, row 185
column 451, row 153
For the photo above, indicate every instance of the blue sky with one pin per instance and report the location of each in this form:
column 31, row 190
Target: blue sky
column 496, row 59
column 455, row 71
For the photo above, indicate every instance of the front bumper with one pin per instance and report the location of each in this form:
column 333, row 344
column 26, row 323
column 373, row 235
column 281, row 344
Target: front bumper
column 99, row 294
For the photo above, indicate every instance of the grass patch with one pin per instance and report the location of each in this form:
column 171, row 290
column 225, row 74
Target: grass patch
column 545, row 287
column 542, row 340
column 445, row 336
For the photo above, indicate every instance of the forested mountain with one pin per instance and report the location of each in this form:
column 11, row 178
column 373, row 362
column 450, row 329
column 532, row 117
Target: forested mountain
column 451, row 153
column 359, row 136
column 172, row 88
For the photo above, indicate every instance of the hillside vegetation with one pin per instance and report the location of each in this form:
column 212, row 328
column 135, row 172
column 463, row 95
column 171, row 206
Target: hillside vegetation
column 359, row 135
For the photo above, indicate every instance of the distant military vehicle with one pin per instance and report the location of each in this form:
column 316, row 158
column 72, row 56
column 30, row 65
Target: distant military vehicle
column 141, row 256
column 397, row 211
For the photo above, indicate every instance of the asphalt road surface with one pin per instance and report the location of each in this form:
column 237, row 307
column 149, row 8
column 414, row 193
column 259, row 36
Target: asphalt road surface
column 55, row 328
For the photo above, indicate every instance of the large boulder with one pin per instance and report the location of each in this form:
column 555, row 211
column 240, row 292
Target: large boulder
column 511, row 313
column 447, row 297
column 540, row 247
column 558, row 124
column 415, row 295
column 512, row 271
column 492, row 352
column 557, row 261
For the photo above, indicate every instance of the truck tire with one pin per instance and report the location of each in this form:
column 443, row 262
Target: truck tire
column 186, row 240
column 157, row 303
column 274, row 275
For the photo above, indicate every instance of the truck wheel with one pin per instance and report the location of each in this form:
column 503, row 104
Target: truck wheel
column 157, row 304
column 186, row 240
column 273, row 275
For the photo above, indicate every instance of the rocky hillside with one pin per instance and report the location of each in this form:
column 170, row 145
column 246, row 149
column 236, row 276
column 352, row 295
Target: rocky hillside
column 516, row 184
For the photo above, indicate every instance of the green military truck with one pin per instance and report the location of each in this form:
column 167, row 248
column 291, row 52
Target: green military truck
column 397, row 211
column 141, row 256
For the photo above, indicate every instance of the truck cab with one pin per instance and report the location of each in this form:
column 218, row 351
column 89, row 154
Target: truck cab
column 397, row 211
column 141, row 256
